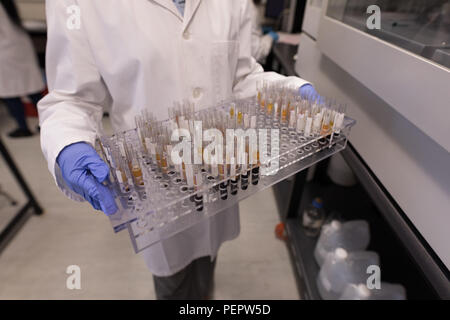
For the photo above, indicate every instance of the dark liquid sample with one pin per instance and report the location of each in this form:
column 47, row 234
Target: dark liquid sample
column 223, row 188
column 234, row 187
column 198, row 202
column 255, row 176
column 244, row 180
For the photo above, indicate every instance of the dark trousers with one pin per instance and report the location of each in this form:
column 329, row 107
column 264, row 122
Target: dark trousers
column 17, row 110
column 195, row 282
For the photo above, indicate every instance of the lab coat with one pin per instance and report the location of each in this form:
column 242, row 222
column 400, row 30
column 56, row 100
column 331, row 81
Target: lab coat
column 19, row 71
column 130, row 55
column 261, row 44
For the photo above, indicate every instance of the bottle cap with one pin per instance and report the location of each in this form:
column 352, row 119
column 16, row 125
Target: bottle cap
column 363, row 291
column 335, row 224
column 317, row 203
column 341, row 253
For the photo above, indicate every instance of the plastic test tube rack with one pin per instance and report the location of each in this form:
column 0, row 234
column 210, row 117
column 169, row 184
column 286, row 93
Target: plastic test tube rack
column 158, row 199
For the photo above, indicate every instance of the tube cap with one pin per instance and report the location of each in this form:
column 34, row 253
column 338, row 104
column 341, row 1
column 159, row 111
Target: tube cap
column 335, row 224
column 317, row 203
column 363, row 290
column 341, row 253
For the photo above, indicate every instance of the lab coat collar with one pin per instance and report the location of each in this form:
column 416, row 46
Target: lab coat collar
column 169, row 5
column 189, row 12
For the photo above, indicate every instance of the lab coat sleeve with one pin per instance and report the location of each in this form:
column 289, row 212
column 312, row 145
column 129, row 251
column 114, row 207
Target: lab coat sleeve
column 73, row 109
column 248, row 71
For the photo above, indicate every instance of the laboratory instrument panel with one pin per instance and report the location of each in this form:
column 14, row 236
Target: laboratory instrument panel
column 421, row 27
column 169, row 175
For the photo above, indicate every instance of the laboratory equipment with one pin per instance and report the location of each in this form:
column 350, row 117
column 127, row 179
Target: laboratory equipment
column 169, row 175
column 313, row 218
column 341, row 268
column 387, row 291
column 351, row 236
column 331, row 58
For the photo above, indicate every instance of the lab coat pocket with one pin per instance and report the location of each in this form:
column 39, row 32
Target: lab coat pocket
column 224, row 60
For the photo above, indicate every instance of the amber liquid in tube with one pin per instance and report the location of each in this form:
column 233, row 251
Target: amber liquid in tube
column 137, row 174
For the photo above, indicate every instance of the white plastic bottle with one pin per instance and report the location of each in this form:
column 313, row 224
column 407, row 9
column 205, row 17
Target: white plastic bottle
column 313, row 218
column 351, row 236
column 387, row 291
column 342, row 268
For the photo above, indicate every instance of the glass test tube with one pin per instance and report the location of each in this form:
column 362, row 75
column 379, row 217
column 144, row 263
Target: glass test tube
column 234, row 178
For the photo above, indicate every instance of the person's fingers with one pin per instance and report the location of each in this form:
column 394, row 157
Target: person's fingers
column 307, row 91
column 88, row 189
column 97, row 167
column 98, row 195
column 91, row 161
column 94, row 203
column 106, row 200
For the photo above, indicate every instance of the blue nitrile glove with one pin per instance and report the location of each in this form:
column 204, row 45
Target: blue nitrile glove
column 266, row 29
column 307, row 91
column 274, row 36
column 84, row 171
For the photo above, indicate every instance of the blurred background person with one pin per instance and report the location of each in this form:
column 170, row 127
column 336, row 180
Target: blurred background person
column 19, row 70
column 262, row 42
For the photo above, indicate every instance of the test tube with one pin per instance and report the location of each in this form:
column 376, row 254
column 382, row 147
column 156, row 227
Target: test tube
column 301, row 120
column 326, row 122
column 135, row 167
column 276, row 109
column 120, row 172
column 293, row 117
column 244, row 172
column 198, row 198
column 223, row 186
column 269, row 106
column 339, row 120
column 284, row 111
column 317, row 120
column 308, row 124
column 259, row 89
column 263, row 96
column 234, row 180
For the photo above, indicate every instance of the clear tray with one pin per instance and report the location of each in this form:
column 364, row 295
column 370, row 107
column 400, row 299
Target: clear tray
column 165, row 205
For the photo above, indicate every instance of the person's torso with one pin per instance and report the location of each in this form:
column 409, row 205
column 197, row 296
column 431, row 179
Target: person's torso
column 150, row 56
column 19, row 71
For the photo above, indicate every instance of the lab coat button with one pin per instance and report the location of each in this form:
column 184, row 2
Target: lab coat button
column 186, row 35
column 197, row 93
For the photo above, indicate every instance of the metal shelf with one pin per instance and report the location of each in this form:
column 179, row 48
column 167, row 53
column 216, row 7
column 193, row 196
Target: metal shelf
column 423, row 255
column 302, row 248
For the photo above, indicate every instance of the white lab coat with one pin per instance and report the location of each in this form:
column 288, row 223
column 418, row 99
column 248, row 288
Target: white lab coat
column 19, row 71
column 261, row 44
column 141, row 54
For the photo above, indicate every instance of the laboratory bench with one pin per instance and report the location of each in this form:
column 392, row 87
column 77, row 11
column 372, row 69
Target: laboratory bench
column 405, row 257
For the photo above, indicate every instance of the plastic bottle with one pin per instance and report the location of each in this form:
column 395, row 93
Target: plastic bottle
column 387, row 291
column 313, row 218
column 351, row 236
column 342, row 268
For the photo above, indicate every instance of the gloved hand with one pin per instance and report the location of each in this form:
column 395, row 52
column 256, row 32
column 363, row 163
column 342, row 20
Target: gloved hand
column 274, row 36
column 307, row 91
column 84, row 171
